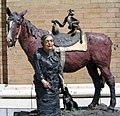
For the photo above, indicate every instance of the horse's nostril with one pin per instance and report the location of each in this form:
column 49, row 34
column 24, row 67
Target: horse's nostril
column 9, row 42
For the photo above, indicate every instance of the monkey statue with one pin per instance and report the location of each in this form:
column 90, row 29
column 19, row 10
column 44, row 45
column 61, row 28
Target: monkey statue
column 72, row 22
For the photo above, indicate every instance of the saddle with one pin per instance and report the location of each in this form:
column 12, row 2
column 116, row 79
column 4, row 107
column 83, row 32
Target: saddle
column 66, row 42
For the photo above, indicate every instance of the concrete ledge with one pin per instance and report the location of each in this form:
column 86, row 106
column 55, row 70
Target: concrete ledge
column 87, row 90
column 23, row 96
column 17, row 91
column 28, row 91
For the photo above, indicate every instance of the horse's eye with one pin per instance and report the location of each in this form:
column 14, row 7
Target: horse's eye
column 17, row 22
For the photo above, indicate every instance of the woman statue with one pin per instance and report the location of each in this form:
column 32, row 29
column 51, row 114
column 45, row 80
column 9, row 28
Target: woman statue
column 47, row 78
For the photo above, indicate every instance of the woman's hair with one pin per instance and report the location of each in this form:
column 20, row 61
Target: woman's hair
column 44, row 37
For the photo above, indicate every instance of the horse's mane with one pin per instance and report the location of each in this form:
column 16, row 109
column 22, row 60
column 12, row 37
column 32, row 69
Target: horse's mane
column 34, row 31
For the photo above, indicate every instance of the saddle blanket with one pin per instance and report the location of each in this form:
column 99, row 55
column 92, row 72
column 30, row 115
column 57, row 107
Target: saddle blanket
column 76, row 47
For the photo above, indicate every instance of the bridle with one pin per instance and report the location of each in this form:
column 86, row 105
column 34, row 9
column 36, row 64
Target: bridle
column 13, row 40
column 20, row 27
column 14, row 26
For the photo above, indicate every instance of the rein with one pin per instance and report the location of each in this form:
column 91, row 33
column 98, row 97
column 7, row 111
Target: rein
column 19, row 32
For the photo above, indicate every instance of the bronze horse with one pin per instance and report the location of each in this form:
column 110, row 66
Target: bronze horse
column 97, row 56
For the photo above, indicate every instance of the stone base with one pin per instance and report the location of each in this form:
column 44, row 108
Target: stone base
column 100, row 110
column 24, row 113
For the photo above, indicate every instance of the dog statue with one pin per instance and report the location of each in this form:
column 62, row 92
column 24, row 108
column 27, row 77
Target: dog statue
column 68, row 102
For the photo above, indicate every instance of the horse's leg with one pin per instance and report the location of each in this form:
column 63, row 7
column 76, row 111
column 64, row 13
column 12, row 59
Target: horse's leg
column 109, row 78
column 93, row 72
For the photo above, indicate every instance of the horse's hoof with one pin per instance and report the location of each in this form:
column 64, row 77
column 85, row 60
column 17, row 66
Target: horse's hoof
column 110, row 109
column 91, row 106
column 73, row 34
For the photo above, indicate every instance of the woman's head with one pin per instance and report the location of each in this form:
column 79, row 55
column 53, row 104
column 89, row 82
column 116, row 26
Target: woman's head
column 47, row 42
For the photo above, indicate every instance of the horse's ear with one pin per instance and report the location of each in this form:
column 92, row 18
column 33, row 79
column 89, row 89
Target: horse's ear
column 23, row 13
column 8, row 11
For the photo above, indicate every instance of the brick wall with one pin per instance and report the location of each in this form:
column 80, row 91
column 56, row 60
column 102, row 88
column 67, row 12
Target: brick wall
column 95, row 16
column 3, row 46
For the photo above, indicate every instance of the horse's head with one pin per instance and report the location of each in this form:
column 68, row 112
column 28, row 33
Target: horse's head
column 14, row 26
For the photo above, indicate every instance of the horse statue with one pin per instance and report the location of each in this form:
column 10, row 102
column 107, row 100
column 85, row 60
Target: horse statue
column 97, row 56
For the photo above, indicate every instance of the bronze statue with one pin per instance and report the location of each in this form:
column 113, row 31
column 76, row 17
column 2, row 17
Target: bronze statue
column 97, row 56
column 68, row 102
column 73, row 24
column 47, row 67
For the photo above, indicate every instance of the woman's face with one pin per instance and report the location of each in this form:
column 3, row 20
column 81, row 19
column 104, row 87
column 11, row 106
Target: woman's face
column 48, row 43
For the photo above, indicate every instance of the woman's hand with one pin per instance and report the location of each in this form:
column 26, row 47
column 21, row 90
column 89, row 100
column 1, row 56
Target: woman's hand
column 46, row 84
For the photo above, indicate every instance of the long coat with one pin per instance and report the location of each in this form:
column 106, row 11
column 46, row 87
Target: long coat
column 48, row 67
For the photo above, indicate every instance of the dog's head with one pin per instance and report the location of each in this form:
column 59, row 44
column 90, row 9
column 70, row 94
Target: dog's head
column 65, row 91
